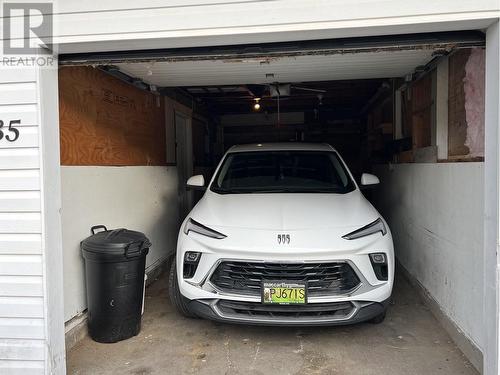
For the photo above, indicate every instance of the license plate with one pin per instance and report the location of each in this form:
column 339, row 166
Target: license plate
column 284, row 293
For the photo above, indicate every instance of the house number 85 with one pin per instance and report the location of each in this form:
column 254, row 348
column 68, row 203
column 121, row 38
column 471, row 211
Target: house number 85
column 10, row 137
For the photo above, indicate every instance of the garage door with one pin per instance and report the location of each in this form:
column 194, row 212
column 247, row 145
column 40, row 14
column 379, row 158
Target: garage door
column 353, row 58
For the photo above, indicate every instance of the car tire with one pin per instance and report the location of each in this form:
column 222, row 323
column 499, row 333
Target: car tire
column 176, row 298
column 378, row 319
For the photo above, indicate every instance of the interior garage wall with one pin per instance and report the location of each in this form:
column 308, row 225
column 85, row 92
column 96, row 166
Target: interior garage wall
column 114, row 170
column 435, row 211
column 139, row 198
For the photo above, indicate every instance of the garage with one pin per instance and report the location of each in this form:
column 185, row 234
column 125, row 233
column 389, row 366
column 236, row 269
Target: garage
column 138, row 100
column 140, row 124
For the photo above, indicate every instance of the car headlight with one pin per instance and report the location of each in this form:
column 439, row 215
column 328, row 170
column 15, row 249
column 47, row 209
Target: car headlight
column 376, row 226
column 196, row 227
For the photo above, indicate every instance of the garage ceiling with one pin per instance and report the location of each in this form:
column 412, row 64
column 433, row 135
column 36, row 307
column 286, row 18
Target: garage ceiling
column 383, row 64
column 344, row 98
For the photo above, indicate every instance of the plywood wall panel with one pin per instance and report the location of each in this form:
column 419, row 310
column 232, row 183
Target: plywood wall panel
column 104, row 121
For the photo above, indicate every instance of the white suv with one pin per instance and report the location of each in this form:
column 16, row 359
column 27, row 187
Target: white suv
column 283, row 236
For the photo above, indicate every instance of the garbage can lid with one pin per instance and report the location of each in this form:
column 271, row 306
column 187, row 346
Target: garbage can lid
column 120, row 242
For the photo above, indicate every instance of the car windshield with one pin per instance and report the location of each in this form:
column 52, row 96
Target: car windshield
column 282, row 172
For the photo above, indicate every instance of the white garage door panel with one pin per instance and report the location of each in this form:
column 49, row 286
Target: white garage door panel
column 31, row 307
column 19, row 201
column 31, row 286
column 21, row 328
column 28, row 244
column 21, row 349
column 19, row 180
column 18, row 265
column 19, row 158
column 285, row 69
column 24, row 112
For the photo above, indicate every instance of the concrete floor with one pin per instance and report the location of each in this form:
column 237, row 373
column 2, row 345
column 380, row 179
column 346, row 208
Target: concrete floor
column 410, row 341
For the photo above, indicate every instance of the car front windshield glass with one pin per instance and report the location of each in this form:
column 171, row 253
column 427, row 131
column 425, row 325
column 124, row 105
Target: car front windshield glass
column 282, row 172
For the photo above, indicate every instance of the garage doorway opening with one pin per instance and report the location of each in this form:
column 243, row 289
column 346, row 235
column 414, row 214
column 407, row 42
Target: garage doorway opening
column 407, row 109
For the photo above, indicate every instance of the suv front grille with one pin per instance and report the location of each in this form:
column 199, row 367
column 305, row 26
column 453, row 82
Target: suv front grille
column 332, row 278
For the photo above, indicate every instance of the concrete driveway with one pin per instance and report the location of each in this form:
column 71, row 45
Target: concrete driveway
column 410, row 341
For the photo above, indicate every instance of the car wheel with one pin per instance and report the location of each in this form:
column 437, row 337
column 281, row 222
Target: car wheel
column 175, row 294
column 378, row 319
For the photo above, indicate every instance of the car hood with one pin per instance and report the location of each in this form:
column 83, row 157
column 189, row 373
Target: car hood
column 279, row 211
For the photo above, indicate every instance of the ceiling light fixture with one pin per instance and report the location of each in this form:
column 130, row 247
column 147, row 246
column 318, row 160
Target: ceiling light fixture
column 256, row 106
column 320, row 99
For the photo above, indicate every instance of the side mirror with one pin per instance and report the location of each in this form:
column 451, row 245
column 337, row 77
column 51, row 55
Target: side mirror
column 196, row 182
column 368, row 179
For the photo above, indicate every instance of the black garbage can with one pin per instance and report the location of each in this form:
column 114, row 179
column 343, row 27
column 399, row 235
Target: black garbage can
column 115, row 263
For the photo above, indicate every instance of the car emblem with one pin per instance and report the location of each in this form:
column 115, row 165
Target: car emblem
column 283, row 239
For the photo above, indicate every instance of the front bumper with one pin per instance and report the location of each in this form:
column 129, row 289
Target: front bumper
column 306, row 315
column 204, row 298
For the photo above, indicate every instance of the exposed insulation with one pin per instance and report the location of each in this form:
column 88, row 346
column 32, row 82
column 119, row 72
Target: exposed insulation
column 474, row 101
column 457, row 123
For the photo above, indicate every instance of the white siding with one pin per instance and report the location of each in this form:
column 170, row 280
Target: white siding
column 28, row 141
column 21, row 349
column 19, row 201
column 28, row 112
column 22, row 328
column 18, row 93
column 20, row 244
column 21, row 367
column 30, row 286
column 29, row 330
column 121, row 25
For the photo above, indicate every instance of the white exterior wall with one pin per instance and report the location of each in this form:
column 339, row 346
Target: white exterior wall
column 435, row 212
column 136, row 198
column 21, row 258
column 31, row 329
column 91, row 26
